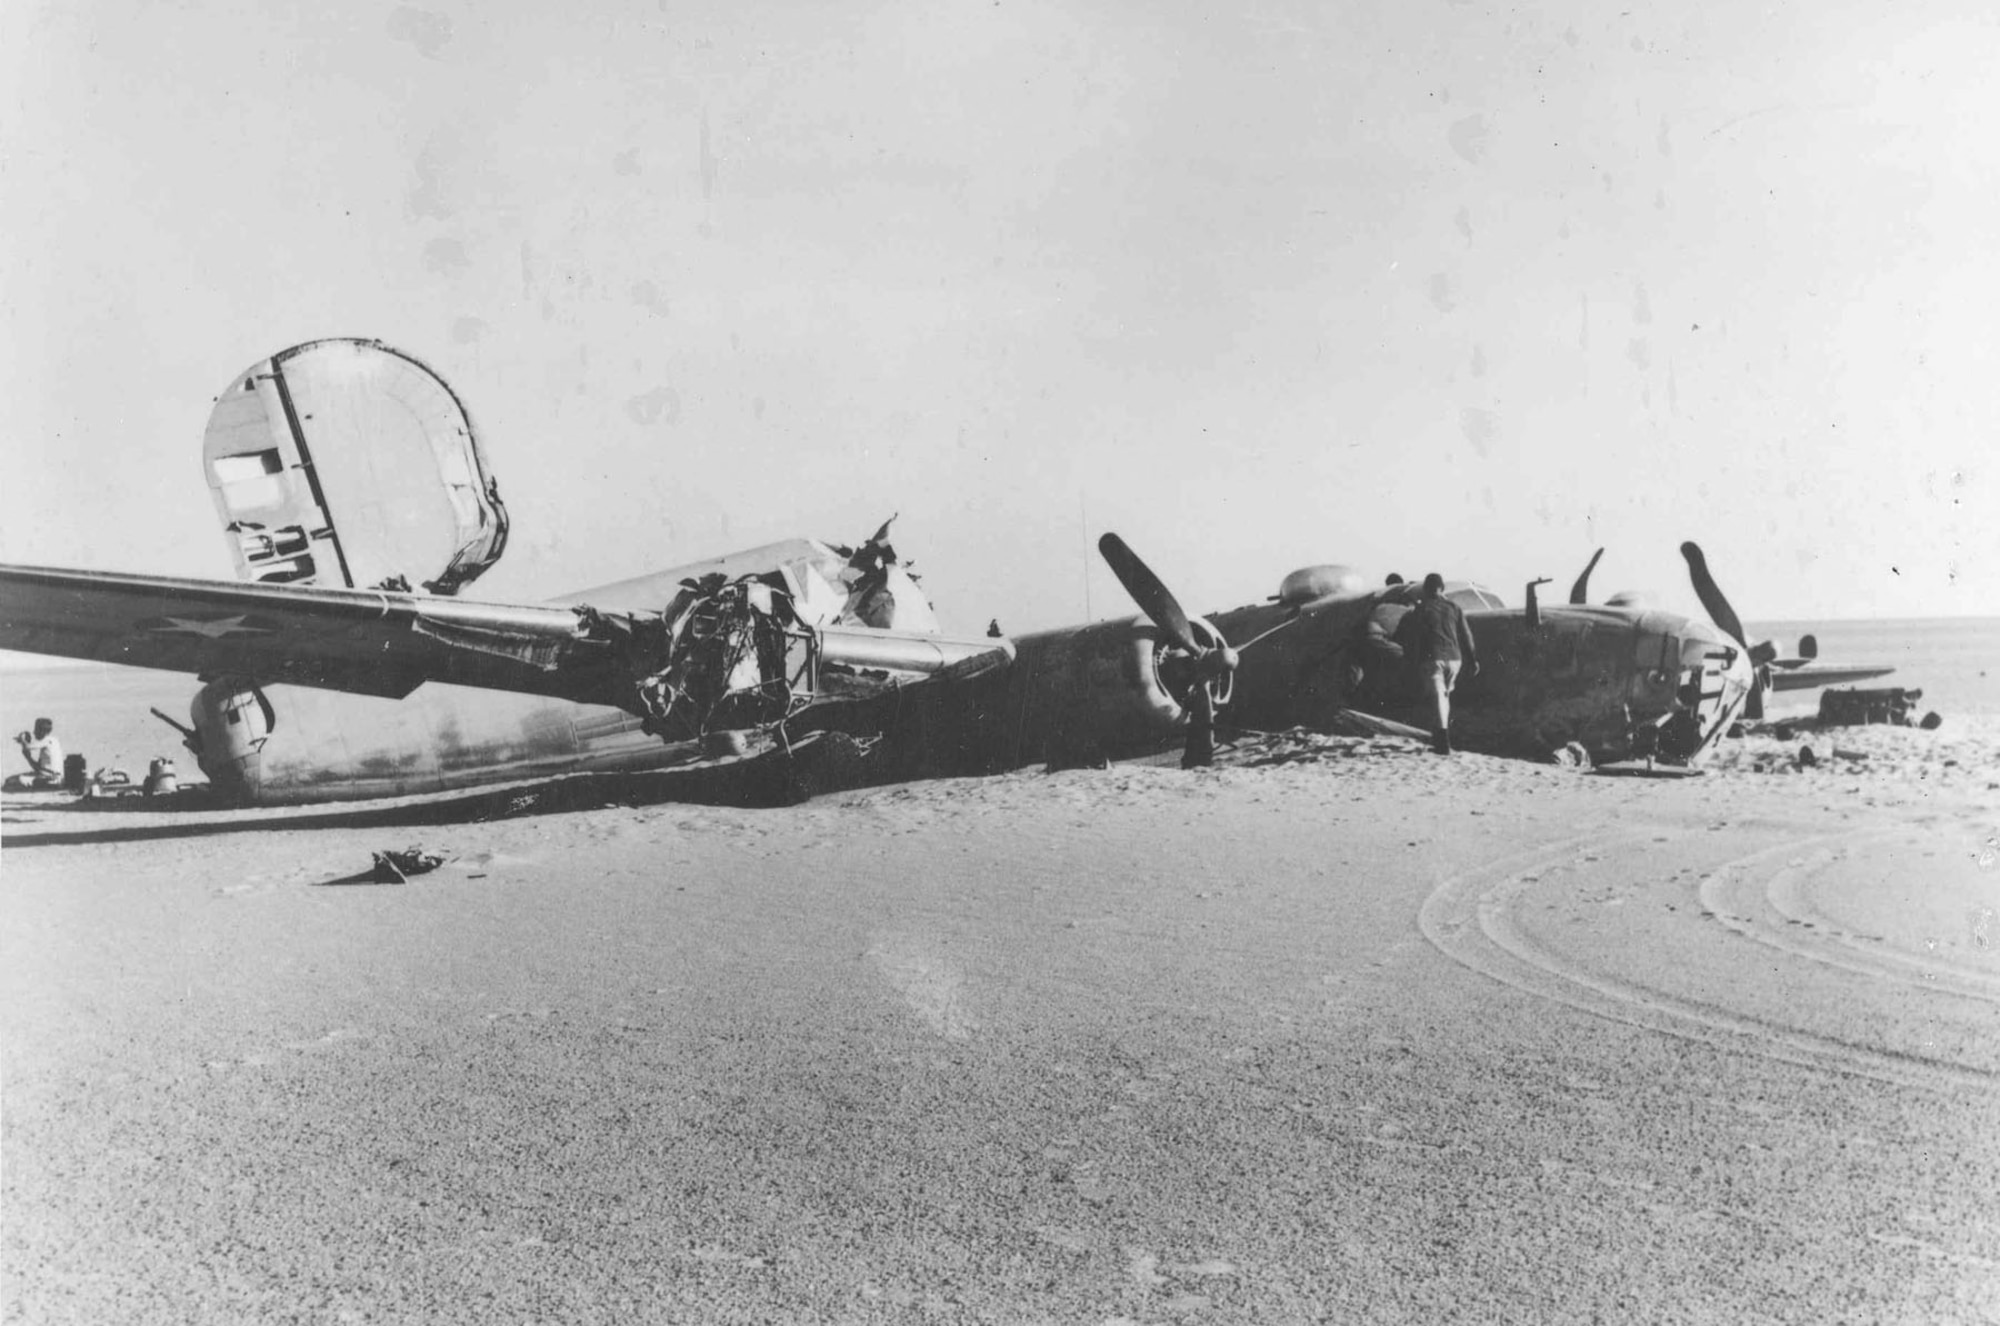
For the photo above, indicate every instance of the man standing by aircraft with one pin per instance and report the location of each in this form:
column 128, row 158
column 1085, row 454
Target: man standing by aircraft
column 1382, row 658
column 1439, row 644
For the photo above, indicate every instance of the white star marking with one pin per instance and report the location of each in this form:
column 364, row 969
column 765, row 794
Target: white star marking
column 213, row 629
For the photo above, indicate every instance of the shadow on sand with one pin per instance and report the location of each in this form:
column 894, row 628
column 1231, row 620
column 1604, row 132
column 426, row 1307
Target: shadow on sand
column 1640, row 769
column 830, row 762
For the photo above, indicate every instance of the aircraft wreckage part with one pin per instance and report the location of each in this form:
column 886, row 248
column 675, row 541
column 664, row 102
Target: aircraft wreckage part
column 811, row 571
column 232, row 719
column 1713, row 602
column 1579, row 593
column 1716, row 604
column 1311, row 584
column 367, row 641
column 828, row 585
column 1857, row 706
column 1149, row 592
column 1068, row 697
column 861, row 647
column 723, row 654
column 735, row 656
column 319, row 745
column 1110, row 676
column 348, row 463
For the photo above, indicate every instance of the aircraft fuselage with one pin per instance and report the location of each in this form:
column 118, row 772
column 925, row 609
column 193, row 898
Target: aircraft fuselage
column 1619, row 682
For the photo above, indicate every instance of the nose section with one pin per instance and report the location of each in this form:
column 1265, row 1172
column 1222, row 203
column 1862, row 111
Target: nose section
column 1715, row 680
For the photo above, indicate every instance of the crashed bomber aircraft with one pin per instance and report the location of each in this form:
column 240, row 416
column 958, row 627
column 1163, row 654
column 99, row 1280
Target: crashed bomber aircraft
column 341, row 468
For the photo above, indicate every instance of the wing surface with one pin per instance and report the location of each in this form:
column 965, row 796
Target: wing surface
column 368, row 641
column 1805, row 676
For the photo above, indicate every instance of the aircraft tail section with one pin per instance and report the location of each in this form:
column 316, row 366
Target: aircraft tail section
column 349, row 464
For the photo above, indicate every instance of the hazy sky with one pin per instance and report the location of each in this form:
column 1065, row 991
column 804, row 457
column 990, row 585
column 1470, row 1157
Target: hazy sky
column 1407, row 284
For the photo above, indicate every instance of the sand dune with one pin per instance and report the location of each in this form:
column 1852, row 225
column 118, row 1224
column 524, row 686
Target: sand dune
column 1337, row 1029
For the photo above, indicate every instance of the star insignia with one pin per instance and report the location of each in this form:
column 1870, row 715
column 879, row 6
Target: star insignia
column 212, row 628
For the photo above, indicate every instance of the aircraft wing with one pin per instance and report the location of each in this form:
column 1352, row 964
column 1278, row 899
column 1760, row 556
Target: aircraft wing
column 368, row 641
column 1789, row 676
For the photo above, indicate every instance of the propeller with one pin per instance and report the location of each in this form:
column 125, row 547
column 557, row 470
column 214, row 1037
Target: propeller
column 1164, row 611
column 1580, row 591
column 1717, row 606
column 1712, row 600
column 1149, row 592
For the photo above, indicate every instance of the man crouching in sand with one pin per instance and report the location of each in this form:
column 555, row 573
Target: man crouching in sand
column 44, row 756
column 1439, row 643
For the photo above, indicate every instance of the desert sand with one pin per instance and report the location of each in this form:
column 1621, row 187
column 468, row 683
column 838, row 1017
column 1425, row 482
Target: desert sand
column 1336, row 1031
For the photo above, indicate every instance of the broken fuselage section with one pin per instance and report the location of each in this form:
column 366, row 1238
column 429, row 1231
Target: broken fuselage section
column 692, row 664
column 713, row 673
column 749, row 641
column 347, row 464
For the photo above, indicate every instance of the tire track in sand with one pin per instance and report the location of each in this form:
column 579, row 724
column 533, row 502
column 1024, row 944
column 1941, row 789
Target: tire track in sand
column 1472, row 919
column 1776, row 910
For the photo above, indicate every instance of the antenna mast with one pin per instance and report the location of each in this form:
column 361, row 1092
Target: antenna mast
column 1083, row 527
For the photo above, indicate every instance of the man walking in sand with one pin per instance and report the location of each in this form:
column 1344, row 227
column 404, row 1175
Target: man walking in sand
column 1439, row 645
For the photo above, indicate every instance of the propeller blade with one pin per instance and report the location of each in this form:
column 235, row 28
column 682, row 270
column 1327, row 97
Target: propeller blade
column 1149, row 592
column 1580, row 591
column 1199, row 751
column 1753, row 707
column 1710, row 594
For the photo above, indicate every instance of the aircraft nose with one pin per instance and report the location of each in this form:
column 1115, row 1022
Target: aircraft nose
column 1715, row 680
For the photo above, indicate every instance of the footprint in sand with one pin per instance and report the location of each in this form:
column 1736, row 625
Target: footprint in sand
column 932, row 987
column 1147, row 1272
column 1144, row 1268
column 1069, row 1240
column 320, row 1042
column 1089, row 1185
column 483, row 861
column 716, row 1254
column 249, row 884
column 228, row 889
column 265, row 1058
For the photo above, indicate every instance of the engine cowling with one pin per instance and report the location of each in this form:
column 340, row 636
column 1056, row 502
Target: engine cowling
column 1122, row 687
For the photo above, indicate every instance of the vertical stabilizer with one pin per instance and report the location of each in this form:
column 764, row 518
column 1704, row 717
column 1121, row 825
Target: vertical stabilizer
column 348, row 463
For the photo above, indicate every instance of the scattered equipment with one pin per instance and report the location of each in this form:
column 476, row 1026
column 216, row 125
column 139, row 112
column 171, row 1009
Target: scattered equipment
column 397, row 867
column 1855, row 706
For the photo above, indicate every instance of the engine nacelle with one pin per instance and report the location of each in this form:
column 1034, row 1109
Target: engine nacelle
column 1121, row 687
